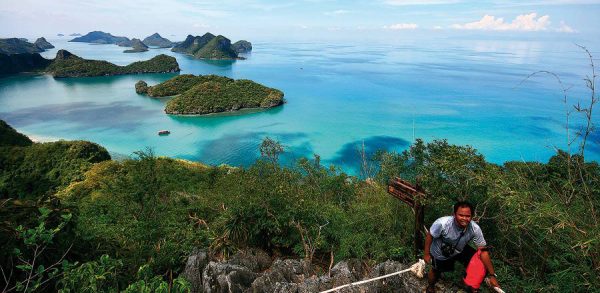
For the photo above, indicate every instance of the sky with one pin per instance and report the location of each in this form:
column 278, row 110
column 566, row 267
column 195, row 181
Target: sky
column 278, row 20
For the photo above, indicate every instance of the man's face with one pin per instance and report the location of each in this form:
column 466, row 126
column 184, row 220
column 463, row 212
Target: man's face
column 463, row 216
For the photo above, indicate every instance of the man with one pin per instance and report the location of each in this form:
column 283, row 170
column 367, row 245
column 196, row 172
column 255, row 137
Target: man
column 447, row 241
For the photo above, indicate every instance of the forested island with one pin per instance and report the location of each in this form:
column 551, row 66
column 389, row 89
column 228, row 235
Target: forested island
column 212, row 47
column 153, row 222
column 156, row 40
column 207, row 94
column 68, row 65
column 18, row 46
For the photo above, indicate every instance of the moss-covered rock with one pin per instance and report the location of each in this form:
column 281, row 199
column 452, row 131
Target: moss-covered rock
column 141, row 87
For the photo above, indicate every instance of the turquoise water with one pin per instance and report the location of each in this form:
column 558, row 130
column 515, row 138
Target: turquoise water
column 338, row 96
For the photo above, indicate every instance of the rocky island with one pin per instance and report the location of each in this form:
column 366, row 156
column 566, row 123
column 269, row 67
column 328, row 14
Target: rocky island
column 137, row 46
column 209, row 46
column 18, row 46
column 98, row 37
column 43, row 44
column 206, row 94
column 242, row 46
column 155, row 40
column 68, row 65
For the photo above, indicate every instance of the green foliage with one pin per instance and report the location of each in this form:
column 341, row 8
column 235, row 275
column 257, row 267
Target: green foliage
column 93, row 276
column 218, row 48
column 182, row 83
column 42, row 168
column 10, row 137
column 31, row 261
column 148, row 283
column 214, row 94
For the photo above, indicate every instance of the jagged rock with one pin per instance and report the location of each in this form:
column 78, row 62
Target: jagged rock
column 249, row 272
column 226, row 278
column 64, row 55
column 195, row 265
column 43, row 44
column 141, row 87
column 254, row 259
column 282, row 271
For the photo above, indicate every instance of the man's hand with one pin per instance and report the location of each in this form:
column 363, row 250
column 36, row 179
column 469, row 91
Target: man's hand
column 427, row 258
column 492, row 281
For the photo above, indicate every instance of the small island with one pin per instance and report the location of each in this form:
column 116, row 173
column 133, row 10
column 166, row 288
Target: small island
column 242, row 46
column 155, row 40
column 67, row 64
column 207, row 94
column 98, row 37
column 43, row 44
column 210, row 47
column 138, row 46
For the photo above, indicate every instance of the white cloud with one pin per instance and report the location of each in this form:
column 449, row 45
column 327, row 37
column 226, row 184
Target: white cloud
column 523, row 22
column 337, row 12
column 420, row 2
column 564, row 28
column 401, row 26
column 437, row 27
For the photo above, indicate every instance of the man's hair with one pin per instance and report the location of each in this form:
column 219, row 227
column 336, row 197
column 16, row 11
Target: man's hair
column 462, row 204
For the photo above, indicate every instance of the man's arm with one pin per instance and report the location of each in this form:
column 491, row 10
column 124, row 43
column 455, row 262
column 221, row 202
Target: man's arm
column 487, row 262
column 428, row 240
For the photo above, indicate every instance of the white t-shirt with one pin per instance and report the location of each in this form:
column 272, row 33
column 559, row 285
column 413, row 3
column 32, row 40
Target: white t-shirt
column 445, row 231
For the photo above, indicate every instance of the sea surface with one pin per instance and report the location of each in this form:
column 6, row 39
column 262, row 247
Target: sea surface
column 340, row 98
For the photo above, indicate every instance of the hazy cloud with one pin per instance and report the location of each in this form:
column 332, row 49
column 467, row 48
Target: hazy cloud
column 401, row 26
column 420, row 2
column 564, row 28
column 523, row 22
column 337, row 12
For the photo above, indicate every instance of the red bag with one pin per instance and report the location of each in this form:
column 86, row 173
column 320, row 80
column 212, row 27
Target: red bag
column 475, row 271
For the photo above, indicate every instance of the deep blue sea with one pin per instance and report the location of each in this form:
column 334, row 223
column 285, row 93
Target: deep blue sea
column 339, row 97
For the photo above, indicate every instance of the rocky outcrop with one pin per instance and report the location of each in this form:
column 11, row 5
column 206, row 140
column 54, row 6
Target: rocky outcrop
column 43, row 44
column 155, row 40
column 141, row 87
column 253, row 271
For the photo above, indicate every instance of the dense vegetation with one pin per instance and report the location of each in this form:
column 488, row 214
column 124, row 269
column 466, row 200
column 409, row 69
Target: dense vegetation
column 148, row 213
column 25, row 62
column 210, row 46
column 206, row 94
column 68, row 65
column 71, row 220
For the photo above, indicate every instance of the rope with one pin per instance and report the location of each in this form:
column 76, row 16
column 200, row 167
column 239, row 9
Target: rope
column 418, row 269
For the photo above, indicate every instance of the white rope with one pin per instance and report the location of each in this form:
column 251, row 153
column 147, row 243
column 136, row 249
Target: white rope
column 418, row 269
